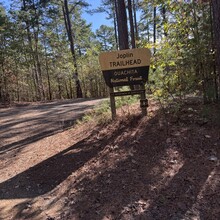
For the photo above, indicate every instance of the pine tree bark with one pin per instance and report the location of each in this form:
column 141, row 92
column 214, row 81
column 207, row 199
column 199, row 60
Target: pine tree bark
column 131, row 21
column 122, row 25
column 38, row 63
column 48, row 74
column 34, row 68
column 72, row 48
column 135, row 19
column 115, row 23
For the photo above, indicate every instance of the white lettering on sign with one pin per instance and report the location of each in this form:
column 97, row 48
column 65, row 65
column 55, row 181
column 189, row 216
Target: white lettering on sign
column 139, row 78
column 125, row 72
column 120, row 80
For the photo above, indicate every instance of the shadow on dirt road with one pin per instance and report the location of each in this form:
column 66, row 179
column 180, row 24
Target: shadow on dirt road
column 24, row 125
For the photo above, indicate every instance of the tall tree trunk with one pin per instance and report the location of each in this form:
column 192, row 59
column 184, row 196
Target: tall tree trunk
column 135, row 19
column 35, row 72
column 47, row 71
column 216, row 25
column 67, row 91
column 115, row 24
column 38, row 64
column 131, row 21
column 72, row 48
column 122, row 25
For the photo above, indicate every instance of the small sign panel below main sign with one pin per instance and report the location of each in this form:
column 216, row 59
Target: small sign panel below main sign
column 125, row 67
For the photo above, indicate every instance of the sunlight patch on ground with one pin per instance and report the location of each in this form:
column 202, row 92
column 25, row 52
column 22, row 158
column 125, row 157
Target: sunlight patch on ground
column 172, row 163
column 50, row 147
column 8, row 206
column 168, row 167
column 104, row 161
column 209, row 189
column 137, row 207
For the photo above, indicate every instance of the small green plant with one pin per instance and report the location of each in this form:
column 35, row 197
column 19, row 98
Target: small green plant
column 126, row 100
column 102, row 113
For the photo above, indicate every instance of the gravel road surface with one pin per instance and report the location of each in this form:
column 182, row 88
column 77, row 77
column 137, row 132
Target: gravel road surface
column 25, row 124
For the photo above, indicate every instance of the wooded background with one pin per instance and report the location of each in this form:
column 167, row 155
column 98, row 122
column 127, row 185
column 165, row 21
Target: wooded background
column 48, row 51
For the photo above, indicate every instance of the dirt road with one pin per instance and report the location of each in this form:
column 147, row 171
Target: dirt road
column 131, row 168
column 23, row 125
column 30, row 134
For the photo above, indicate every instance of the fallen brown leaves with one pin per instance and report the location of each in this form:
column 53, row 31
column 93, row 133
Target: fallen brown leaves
column 157, row 167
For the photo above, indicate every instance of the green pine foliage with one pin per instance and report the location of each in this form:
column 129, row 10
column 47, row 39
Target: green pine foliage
column 36, row 62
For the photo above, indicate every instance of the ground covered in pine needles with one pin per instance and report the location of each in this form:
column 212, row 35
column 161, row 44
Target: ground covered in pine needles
column 162, row 167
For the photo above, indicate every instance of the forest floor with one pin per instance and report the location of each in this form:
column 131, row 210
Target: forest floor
column 162, row 167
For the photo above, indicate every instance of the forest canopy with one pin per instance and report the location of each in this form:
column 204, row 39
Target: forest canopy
column 49, row 51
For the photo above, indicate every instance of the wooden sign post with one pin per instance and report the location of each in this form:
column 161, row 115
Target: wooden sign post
column 126, row 68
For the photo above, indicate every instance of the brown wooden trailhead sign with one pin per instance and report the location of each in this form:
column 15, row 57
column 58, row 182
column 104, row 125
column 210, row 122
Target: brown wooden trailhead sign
column 126, row 68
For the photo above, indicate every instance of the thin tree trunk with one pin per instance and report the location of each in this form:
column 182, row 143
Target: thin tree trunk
column 71, row 41
column 48, row 74
column 135, row 19
column 35, row 73
column 115, row 24
column 38, row 64
column 131, row 21
column 67, row 91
